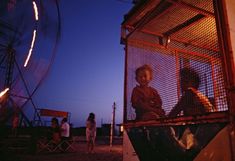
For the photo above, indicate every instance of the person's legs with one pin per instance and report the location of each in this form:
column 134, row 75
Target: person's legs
column 64, row 145
column 92, row 145
column 89, row 144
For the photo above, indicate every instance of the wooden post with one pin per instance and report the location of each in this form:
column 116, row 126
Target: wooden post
column 112, row 128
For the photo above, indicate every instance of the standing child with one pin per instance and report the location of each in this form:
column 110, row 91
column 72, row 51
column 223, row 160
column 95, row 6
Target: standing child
column 145, row 99
column 90, row 132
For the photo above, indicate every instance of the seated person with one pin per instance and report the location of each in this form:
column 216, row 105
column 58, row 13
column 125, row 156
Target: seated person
column 65, row 129
column 145, row 99
column 65, row 133
column 192, row 101
column 55, row 130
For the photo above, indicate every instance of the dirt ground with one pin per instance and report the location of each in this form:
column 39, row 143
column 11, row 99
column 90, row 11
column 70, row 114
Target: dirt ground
column 103, row 152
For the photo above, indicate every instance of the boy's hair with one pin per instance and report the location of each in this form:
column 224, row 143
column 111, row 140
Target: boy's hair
column 55, row 120
column 190, row 75
column 64, row 119
column 144, row 67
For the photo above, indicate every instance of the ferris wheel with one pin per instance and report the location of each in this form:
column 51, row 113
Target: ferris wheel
column 29, row 35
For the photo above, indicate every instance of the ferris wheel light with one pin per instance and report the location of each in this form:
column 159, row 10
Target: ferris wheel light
column 4, row 92
column 31, row 48
column 35, row 10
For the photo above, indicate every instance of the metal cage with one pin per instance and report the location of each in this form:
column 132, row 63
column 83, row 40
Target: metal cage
column 169, row 35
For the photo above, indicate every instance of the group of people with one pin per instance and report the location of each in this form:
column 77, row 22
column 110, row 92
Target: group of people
column 148, row 104
column 60, row 132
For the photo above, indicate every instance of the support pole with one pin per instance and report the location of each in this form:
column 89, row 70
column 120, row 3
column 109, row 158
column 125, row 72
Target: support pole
column 112, row 127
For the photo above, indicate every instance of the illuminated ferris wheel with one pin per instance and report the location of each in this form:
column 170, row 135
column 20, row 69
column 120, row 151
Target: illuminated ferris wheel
column 29, row 35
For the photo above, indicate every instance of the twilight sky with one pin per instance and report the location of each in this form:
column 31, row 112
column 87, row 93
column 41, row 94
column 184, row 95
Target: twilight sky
column 88, row 72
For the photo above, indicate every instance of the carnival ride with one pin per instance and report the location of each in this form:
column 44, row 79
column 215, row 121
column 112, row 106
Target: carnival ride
column 29, row 35
column 170, row 35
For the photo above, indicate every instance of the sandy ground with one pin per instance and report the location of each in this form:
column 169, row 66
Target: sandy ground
column 103, row 152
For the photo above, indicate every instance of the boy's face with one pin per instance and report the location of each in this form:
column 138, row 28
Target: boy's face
column 143, row 77
column 185, row 84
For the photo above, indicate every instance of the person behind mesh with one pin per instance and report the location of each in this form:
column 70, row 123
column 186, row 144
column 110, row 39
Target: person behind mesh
column 145, row 99
column 192, row 101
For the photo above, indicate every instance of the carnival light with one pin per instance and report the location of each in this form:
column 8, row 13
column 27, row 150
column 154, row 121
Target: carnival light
column 4, row 92
column 35, row 10
column 31, row 48
column 34, row 35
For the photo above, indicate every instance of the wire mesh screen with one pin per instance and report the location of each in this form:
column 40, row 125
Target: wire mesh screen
column 172, row 36
column 166, row 65
column 164, row 75
column 205, row 5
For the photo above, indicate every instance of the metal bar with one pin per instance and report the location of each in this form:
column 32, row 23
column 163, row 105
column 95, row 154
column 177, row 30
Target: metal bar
column 214, row 83
column 184, row 25
column 125, row 84
column 228, row 64
column 22, row 113
column 26, row 87
column 177, row 71
column 154, row 45
column 213, row 117
column 3, row 58
column 14, row 95
column 180, row 40
column 9, row 68
column 191, row 7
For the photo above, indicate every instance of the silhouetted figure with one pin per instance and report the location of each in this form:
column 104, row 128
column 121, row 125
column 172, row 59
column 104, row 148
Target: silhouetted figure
column 65, row 132
column 90, row 132
column 55, row 130
column 192, row 101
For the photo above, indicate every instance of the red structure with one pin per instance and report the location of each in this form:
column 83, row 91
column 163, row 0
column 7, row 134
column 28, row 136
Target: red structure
column 170, row 35
column 54, row 113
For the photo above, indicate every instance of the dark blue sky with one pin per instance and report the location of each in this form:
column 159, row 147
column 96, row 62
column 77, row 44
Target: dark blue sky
column 88, row 72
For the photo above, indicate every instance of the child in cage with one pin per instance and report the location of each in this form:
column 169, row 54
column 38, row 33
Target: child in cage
column 192, row 102
column 145, row 99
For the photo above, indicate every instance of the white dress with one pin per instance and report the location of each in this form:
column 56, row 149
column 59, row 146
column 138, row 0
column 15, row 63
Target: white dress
column 90, row 131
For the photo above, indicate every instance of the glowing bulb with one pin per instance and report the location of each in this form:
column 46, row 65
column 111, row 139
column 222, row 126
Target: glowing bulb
column 4, row 92
column 31, row 48
column 35, row 10
column 168, row 39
